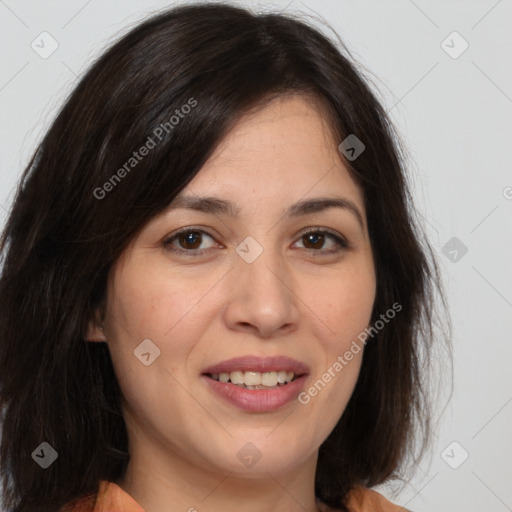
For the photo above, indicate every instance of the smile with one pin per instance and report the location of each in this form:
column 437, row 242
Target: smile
column 255, row 380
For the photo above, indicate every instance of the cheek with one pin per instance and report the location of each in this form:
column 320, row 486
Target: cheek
column 349, row 308
column 150, row 303
column 154, row 305
column 343, row 305
column 166, row 311
column 346, row 310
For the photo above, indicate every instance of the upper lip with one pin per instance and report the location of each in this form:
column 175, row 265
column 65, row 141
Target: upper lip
column 259, row 364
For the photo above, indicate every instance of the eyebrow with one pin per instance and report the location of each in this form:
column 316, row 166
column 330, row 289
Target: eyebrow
column 216, row 206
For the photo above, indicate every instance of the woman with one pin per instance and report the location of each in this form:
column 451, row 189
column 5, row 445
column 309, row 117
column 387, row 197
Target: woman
column 214, row 292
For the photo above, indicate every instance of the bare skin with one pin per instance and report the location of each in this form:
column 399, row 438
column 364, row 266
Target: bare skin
column 300, row 298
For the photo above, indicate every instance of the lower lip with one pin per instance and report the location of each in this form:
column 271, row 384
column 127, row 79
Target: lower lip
column 257, row 400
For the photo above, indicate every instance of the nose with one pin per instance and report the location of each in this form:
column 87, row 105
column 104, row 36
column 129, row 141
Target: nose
column 262, row 300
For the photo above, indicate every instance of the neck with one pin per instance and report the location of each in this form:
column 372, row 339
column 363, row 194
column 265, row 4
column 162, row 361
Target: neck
column 168, row 482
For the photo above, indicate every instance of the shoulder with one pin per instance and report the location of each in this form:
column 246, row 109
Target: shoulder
column 83, row 504
column 108, row 498
column 362, row 499
column 88, row 503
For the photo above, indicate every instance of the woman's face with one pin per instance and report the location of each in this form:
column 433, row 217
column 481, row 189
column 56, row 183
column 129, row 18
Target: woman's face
column 245, row 282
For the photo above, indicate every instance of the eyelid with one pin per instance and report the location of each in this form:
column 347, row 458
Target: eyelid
column 320, row 229
column 167, row 241
column 186, row 229
column 341, row 241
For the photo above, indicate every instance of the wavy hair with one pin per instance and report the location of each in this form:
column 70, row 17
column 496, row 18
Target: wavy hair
column 62, row 238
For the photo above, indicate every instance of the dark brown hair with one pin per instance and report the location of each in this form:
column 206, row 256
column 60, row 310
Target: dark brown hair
column 64, row 234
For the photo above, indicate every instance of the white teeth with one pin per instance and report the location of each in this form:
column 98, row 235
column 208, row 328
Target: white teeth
column 255, row 380
column 236, row 377
column 269, row 379
column 250, row 379
column 281, row 377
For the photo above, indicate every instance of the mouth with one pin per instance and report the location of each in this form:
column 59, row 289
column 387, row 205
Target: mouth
column 254, row 379
column 256, row 384
column 253, row 372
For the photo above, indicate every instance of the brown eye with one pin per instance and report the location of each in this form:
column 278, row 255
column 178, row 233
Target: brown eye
column 315, row 240
column 188, row 242
column 190, row 239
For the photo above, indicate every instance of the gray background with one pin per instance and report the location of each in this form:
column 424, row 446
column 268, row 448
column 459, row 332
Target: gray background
column 455, row 116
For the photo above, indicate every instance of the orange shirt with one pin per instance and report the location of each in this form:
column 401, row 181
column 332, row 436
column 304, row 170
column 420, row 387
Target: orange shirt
column 111, row 498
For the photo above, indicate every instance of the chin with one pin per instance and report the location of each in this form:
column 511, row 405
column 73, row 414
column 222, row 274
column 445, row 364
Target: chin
column 257, row 454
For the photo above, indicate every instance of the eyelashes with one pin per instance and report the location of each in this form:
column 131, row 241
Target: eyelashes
column 180, row 236
column 312, row 236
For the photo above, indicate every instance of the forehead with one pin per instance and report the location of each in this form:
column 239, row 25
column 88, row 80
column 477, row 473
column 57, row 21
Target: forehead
column 285, row 149
column 287, row 121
